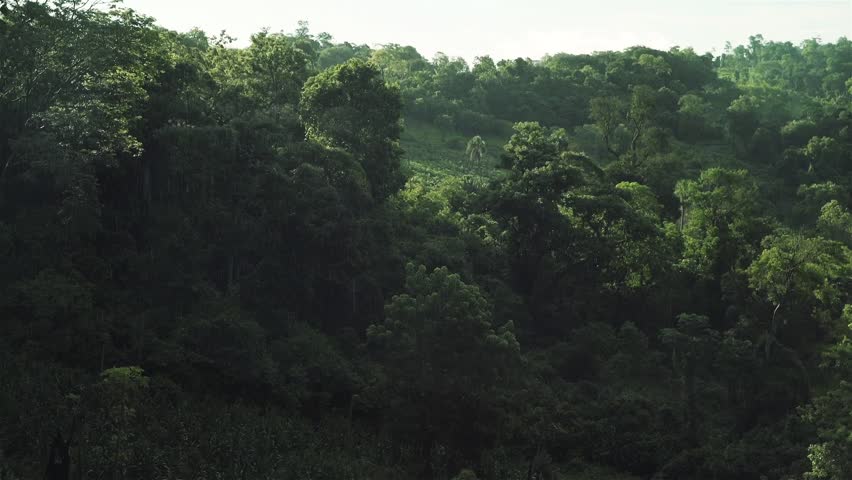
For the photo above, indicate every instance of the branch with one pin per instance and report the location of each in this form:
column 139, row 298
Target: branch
column 608, row 145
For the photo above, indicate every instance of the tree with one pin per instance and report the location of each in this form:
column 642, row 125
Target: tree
column 637, row 117
column 445, row 361
column 826, row 156
column 402, row 65
column 569, row 233
column 278, row 68
column 78, row 74
column 608, row 114
column 813, row 199
column 530, row 205
column 798, row 274
column 719, row 221
column 336, row 54
column 640, row 115
column 350, row 107
column 697, row 119
column 835, row 222
column 452, row 78
column 831, row 457
column 693, row 343
column 113, row 406
column 476, row 150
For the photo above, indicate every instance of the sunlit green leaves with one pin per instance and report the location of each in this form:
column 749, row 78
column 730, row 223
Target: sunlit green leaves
column 350, row 107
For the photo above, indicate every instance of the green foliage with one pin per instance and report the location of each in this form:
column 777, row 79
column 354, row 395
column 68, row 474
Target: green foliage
column 792, row 265
column 278, row 68
column 831, row 458
column 213, row 265
column 466, row 475
column 476, row 149
column 350, row 107
column 443, row 359
column 718, row 221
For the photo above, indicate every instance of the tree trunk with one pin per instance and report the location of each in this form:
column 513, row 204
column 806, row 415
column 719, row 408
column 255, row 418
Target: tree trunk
column 634, row 146
column 5, row 160
column 146, row 182
column 230, row 279
column 691, row 408
column 59, row 460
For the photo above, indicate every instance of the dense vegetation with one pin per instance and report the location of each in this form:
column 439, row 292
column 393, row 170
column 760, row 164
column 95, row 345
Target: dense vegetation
column 316, row 260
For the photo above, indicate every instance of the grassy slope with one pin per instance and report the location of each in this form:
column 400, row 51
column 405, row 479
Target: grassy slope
column 433, row 152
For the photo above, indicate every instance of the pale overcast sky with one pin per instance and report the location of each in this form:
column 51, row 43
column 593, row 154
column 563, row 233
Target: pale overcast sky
column 517, row 28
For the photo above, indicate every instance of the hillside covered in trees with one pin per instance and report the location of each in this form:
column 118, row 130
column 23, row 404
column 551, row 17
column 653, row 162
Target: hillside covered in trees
column 308, row 259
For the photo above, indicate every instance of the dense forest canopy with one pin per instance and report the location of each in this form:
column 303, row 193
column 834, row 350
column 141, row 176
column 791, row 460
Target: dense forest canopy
column 314, row 259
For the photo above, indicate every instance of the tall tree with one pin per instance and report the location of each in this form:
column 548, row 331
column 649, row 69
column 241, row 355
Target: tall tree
column 476, row 150
column 445, row 360
column 351, row 107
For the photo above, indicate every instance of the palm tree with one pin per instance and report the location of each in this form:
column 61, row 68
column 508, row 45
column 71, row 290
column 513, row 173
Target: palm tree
column 476, row 149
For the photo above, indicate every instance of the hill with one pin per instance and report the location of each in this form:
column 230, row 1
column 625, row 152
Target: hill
column 284, row 261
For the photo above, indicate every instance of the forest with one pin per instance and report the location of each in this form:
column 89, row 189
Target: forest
column 312, row 259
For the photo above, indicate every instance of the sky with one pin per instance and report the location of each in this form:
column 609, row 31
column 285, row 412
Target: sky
column 517, row 28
